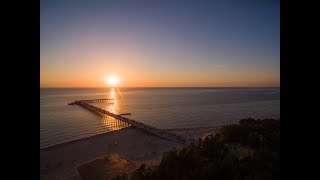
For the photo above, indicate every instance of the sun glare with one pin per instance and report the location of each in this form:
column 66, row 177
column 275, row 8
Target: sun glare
column 112, row 81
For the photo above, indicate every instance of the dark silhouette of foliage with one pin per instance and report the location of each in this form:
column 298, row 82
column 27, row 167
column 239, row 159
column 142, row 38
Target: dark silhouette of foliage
column 214, row 157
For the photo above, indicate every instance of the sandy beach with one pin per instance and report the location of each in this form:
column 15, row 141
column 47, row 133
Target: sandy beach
column 137, row 146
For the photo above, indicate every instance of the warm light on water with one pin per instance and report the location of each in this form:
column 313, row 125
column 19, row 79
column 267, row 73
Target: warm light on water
column 113, row 124
column 112, row 106
column 159, row 107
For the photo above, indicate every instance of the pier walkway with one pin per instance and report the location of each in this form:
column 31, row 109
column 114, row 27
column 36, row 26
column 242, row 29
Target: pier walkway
column 90, row 101
column 153, row 130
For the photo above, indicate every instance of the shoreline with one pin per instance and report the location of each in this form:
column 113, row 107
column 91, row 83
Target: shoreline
column 135, row 145
column 77, row 140
column 173, row 130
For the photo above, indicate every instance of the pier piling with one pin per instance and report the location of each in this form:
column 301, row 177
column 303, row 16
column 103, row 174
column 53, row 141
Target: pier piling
column 153, row 130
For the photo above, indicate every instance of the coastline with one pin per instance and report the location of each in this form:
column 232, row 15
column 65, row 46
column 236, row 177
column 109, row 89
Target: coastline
column 59, row 161
column 179, row 131
column 45, row 148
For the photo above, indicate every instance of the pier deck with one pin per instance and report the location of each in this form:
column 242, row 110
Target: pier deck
column 153, row 130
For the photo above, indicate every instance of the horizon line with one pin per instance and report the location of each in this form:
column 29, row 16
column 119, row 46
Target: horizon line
column 162, row 87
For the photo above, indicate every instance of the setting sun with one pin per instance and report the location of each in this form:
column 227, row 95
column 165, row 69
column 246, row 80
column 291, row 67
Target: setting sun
column 112, row 81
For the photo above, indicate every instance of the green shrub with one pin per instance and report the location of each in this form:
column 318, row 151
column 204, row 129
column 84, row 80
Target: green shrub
column 212, row 159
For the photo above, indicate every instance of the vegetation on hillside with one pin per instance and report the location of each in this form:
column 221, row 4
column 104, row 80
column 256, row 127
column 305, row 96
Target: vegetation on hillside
column 249, row 150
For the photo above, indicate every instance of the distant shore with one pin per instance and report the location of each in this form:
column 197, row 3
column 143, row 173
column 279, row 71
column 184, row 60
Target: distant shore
column 137, row 146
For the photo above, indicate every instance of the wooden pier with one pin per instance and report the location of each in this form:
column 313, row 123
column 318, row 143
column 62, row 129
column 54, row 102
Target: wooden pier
column 125, row 114
column 90, row 101
column 153, row 130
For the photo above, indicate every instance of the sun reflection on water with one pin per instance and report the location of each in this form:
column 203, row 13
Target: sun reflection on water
column 113, row 124
column 113, row 106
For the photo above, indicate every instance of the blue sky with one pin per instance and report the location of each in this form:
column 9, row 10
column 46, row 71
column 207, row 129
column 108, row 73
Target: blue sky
column 237, row 40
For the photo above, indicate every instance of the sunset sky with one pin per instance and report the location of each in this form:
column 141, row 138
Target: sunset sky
column 160, row 43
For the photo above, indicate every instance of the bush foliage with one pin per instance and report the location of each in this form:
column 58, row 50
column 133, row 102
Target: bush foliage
column 256, row 156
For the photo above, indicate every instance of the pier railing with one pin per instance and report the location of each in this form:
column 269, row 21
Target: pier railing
column 90, row 101
column 153, row 130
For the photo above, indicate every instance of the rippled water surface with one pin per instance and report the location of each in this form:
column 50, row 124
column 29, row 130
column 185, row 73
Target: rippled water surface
column 160, row 107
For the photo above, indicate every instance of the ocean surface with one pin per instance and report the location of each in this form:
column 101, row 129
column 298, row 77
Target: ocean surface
column 159, row 107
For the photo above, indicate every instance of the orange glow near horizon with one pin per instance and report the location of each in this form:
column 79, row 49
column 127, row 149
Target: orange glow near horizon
column 139, row 75
column 131, row 68
column 141, row 79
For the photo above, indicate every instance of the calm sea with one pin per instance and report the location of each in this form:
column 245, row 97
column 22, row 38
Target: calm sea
column 160, row 107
